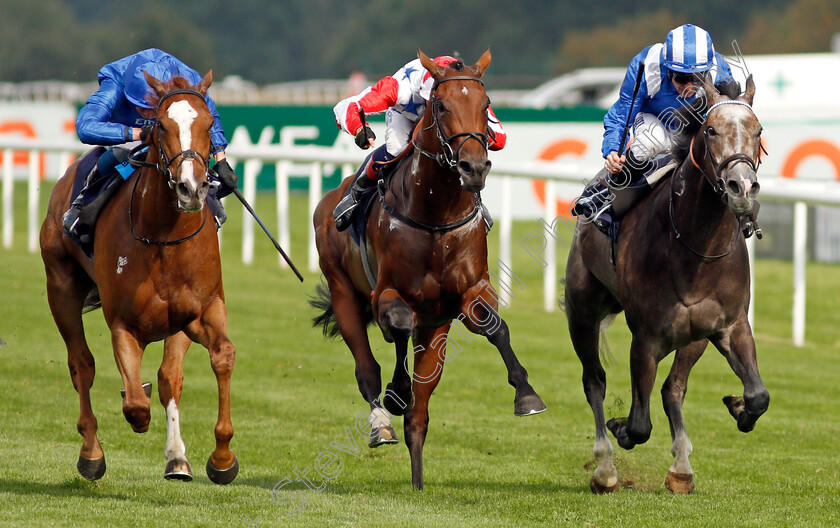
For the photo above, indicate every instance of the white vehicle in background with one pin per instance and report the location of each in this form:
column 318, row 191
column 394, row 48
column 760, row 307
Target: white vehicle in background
column 584, row 87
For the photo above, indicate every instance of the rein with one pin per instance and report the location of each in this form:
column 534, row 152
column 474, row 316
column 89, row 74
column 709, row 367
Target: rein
column 164, row 167
column 381, row 188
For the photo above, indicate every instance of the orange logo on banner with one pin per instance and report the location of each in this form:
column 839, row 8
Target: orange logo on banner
column 24, row 128
column 815, row 147
column 550, row 153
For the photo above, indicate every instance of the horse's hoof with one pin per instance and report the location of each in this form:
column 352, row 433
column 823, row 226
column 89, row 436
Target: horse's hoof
column 222, row 476
column 599, row 489
column 528, row 405
column 91, row 468
column 383, row 435
column 618, row 427
column 178, row 469
column 679, row 483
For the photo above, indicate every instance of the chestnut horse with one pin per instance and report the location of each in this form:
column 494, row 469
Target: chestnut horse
column 157, row 270
column 427, row 249
column 682, row 278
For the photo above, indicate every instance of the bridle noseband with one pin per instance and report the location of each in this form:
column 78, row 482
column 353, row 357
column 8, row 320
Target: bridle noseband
column 450, row 158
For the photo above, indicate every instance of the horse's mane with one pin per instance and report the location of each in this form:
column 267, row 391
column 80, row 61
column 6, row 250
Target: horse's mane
column 175, row 83
column 691, row 116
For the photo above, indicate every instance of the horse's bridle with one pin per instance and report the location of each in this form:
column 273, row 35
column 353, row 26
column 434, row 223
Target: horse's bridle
column 449, row 158
column 164, row 164
column 717, row 184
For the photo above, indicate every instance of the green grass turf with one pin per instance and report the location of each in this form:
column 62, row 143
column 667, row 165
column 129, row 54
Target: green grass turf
column 294, row 394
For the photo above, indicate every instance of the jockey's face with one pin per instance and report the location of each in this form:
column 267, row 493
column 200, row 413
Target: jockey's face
column 684, row 83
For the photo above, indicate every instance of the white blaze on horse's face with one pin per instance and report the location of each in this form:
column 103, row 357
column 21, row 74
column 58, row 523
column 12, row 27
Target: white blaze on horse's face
column 184, row 114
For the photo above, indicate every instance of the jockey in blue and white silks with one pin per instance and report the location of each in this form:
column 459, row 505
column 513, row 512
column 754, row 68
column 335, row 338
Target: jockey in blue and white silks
column 687, row 49
column 120, row 112
column 667, row 84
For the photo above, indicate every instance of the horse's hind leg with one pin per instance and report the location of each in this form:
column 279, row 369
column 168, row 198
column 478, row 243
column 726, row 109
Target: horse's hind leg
column 211, row 331
column 737, row 345
column 429, row 355
column 480, row 316
column 170, row 383
column 349, row 315
column 67, row 286
column 680, row 477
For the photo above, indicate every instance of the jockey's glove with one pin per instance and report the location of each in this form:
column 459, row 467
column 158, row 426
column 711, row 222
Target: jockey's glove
column 226, row 176
column 363, row 135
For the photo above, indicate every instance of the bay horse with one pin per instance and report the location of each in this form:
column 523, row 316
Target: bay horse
column 426, row 246
column 157, row 270
column 682, row 278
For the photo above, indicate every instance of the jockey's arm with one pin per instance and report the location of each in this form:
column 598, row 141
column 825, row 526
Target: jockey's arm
column 374, row 100
column 93, row 125
column 498, row 137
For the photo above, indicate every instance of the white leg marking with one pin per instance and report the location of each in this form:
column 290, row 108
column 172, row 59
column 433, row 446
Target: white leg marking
column 378, row 418
column 175, row 447
column 681, row 449
column 183, row 114
column 605, row 474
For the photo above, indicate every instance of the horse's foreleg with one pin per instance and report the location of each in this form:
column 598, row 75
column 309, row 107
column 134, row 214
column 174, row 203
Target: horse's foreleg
column 211, row 331
column 479, row 314
column 636, row 428
column 738, row 347
column 680, row 477
column 429, row 355
column 66, row 296
column 170, row 383
column 128, row 352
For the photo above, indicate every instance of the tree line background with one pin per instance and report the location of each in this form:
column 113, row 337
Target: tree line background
column 269, row 41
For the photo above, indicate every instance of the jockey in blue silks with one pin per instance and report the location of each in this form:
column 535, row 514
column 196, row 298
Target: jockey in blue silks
column 119, row 112
column 670, row 81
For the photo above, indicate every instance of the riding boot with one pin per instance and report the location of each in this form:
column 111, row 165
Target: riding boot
column 346, row 208
column 80, row 219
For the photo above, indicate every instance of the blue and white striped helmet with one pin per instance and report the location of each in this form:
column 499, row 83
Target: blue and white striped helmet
column 688, row 49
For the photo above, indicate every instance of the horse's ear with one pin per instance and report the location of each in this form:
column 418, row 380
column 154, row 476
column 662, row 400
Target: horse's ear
column 205, row 83
column 155, row 84
column 750, row 91
column 430, row 65
column 482, row 63
column 709, row 89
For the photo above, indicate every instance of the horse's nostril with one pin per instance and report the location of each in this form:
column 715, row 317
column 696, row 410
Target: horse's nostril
column 465, row 167
column 734, row 186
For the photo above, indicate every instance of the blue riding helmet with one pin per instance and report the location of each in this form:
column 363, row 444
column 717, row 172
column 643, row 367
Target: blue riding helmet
column 136, row 87
column 688, row 49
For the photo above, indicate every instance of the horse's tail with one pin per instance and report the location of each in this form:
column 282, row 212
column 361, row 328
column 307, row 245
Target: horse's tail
column 603, row 345
column 92, row 301
column 322, row 301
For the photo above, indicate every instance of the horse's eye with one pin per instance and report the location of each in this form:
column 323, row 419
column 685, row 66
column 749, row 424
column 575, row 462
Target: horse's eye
column 712, row 131
column 439, row 106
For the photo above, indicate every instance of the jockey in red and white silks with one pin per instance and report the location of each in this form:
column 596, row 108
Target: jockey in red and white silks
column 403, row 95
